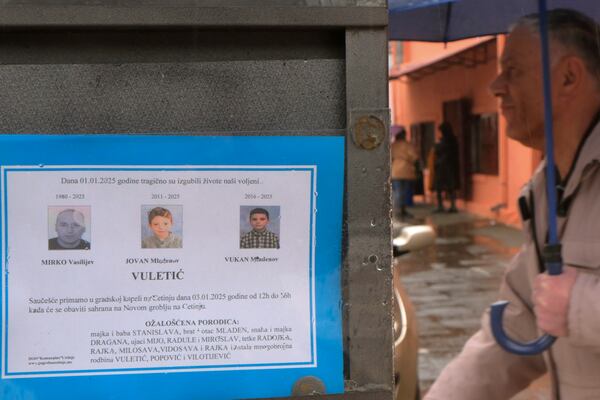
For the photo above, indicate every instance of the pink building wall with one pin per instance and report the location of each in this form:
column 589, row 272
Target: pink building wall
column 415, row 101
column 415, row 52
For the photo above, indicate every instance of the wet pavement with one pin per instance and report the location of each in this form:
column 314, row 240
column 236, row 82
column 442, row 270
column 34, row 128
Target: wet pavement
column 452, row 282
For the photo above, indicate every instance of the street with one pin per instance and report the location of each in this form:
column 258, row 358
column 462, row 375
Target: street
column 452, row 282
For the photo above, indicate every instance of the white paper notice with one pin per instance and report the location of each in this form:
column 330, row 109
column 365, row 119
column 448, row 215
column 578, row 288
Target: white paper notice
column 143, row 269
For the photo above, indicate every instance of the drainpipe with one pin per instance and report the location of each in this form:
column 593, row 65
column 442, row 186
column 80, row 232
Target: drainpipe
column 503, row 138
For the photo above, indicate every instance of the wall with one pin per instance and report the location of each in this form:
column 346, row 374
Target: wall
column 416, row 52
column 421, row 100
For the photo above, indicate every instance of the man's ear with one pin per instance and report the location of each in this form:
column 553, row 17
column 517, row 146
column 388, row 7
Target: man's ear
column 571, row 75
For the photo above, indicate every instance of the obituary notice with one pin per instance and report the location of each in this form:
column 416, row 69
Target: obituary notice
column 144, row 269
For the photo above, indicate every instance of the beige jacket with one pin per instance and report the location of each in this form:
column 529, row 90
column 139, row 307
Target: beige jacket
column 404, row 156
column 483, row 370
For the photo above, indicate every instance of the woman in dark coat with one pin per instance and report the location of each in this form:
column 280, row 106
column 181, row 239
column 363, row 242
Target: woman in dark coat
column 446, row 168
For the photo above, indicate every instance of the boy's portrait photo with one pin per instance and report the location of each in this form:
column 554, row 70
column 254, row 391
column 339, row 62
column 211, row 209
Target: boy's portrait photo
column 259, row 227
column 67, row 228
column 162, row 227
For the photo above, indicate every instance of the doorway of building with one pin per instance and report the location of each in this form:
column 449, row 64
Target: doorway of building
column 458, row 114
column 422, row 135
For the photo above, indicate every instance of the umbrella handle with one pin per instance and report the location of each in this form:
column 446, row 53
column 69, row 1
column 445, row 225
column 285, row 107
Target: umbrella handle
column 553, row 262
column 523, row 349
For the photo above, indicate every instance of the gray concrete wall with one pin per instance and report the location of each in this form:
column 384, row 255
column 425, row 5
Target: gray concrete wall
column 205, row 3
column 176, row 82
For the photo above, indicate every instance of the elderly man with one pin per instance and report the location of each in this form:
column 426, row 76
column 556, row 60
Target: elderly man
column 568, row 305
column 70, row 226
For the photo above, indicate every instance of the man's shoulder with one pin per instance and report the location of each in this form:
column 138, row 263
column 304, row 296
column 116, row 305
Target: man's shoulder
column 148, row 241
column 404, row 145
column 270, row 233
column 53, row 244
column 176, row 238
column 246, row 235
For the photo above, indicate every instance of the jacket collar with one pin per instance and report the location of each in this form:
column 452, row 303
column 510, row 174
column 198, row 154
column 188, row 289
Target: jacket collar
column 588, row 154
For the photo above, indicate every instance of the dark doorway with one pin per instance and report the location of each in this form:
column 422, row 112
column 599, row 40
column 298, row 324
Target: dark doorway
column 422, row 135
column 484, row 144
column 458, row 114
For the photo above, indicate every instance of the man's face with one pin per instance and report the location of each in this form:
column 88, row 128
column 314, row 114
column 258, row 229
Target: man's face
column 69, row 228
column 259, row 221
column 161, row 226
column 519, row 88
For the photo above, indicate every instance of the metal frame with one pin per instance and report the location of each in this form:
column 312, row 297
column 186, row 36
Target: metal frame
column 39, row 14
column 368, row 289
column 367, row 253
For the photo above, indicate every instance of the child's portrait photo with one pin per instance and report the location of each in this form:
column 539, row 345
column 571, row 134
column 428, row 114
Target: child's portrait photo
column 259, row 227
column 68, row 228
column 162, row 227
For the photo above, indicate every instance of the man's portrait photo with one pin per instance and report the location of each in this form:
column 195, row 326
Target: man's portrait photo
column 67, row 228
column 162, row 226
column 259, row 227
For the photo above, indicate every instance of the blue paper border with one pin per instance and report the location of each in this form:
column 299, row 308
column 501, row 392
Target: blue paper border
column 327, row 153
column 157, row 369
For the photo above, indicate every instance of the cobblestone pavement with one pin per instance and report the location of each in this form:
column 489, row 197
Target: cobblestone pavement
column 453, row 282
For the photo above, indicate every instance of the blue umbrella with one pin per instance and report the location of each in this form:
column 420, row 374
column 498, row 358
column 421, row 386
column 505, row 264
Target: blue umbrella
column 447, row 20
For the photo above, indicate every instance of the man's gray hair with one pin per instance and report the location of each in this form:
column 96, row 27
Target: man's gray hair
column 574, row 31
column 77, row 213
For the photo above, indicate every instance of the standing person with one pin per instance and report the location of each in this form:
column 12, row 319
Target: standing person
column 568, row 305
column 446, row 175
column 404, row 173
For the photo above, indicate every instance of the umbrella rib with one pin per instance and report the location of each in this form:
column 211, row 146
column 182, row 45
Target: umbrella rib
column 447, row 25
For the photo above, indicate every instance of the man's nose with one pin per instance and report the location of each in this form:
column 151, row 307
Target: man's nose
column 498, row 86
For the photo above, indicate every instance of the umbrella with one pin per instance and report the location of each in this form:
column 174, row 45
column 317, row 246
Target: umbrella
column 447, row 20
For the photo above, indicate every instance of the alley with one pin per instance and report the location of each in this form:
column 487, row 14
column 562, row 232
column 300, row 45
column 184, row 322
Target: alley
column 452, row 282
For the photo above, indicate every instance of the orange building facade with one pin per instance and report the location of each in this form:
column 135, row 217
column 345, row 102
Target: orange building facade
column 433, row 82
